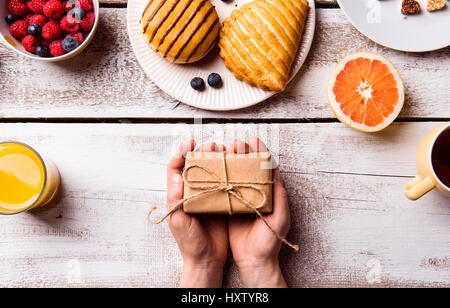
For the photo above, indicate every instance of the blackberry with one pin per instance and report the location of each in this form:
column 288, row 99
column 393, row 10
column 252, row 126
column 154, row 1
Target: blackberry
column 35, row 30
column 42, row 51
column 214, row 80
column 10, row 19
column 198, row 84
column 69, row 44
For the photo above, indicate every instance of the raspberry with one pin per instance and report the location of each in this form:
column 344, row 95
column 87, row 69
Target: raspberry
column 30, row 43
column 27, row 18
column 69, row 25
column 69, row 5
column 51, row 31
column 86, row 5
column 56, row 48
column 40, row 20
column 19, row 29
column 78, row 36
column 29, row 6
column 17, row 8
column 37, row 6
column 54, row 9
column 87, row 22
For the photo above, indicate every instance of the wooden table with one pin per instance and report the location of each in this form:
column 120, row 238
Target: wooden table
column 111, row 132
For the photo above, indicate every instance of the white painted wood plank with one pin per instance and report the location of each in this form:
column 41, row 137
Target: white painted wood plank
column 106, row 80
column 124, row 2
column 345, row 191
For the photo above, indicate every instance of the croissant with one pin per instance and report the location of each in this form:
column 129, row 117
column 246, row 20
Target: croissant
column 181, row 31
column 260, row 40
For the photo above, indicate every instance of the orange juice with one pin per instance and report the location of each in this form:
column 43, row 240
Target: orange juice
column 26, row 179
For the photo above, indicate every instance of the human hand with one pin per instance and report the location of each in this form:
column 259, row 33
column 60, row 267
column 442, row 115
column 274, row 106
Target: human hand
column 255, row 248
column 202, row 240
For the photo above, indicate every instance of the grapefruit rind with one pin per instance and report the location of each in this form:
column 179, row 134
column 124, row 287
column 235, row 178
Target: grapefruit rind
column 335, row 106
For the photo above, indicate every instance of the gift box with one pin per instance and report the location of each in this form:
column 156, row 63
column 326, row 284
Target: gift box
column 227, row 183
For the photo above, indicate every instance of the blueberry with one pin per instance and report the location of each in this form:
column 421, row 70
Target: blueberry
column 214, row 80
column 69, row 44
column 10, row 19
column 35, row 30
column 78, row 13
column 43, row 51
column 198, row 84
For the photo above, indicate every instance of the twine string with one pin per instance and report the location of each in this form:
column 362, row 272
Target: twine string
column 231, row 189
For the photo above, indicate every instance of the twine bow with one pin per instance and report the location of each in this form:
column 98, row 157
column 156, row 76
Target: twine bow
column 226, row 186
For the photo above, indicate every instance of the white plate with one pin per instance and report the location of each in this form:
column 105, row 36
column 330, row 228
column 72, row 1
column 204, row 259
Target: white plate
column 174, row 79
column 383, row 22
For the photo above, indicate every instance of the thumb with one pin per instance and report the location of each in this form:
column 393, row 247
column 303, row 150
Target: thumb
column 281, row 214
column 178, row 220
column 174, row 189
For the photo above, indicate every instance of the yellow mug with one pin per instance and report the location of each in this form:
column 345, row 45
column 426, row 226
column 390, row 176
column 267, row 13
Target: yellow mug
column 427, row 179
column 27, row 180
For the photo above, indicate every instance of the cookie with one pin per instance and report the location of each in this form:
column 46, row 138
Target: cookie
column 435, row 5
column 410, row 7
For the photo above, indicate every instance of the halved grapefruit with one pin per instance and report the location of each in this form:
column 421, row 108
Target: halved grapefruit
column 366, row 92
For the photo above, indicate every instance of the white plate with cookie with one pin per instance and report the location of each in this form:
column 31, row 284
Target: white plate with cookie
column 175, row 78
column 400, row 25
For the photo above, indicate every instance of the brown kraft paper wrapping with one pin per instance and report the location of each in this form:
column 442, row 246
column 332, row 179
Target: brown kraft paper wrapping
column 252, row 170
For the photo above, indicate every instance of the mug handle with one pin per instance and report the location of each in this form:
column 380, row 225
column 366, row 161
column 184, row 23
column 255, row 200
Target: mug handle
column 418, row 187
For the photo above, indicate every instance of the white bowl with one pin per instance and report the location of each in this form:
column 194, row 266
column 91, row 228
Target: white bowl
column 16, row 45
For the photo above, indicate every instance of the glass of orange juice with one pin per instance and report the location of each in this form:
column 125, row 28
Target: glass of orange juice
column 27, row 180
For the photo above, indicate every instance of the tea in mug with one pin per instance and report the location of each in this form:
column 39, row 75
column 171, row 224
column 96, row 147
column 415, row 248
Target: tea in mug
column 441, row 157
column 26, row 179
